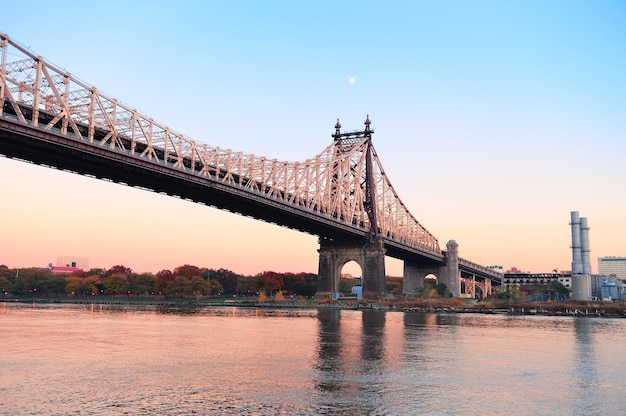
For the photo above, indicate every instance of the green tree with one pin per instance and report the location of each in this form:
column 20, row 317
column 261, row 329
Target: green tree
column 5, row 285
column 215, row 288
column 247, row 286
column 346, row 284
column 33, row 281
column 394, row 284
column 539, row 289
column 442, row 290
column 227, row 278
column 142, row 284
column 513, row 293
column 560, row 288
column 310, row 284
column 430, row 289
column 116, row 284
column 53, row 284
column 199, row 286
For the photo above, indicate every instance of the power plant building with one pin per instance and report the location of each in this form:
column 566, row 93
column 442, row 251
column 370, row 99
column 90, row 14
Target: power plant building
column 581, row 268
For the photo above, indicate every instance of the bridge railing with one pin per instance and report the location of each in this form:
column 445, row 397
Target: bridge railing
column 479, row 268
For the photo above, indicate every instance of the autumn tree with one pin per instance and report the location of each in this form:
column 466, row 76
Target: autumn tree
column 89, row 285
column 394, row 284
column 118, row 269
column 271, row 281
column 162, row 281
column 188, row 270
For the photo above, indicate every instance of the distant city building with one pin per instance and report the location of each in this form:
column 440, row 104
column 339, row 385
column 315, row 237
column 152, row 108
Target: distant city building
column 64, row 270
column 69, row 265
column 73, row 261
column 612, row 267
column 514, row 270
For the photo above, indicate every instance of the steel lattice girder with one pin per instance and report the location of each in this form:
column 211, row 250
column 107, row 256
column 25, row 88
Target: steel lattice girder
column 331, row 184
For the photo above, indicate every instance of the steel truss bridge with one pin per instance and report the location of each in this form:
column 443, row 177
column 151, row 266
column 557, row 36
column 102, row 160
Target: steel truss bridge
column 51, row 118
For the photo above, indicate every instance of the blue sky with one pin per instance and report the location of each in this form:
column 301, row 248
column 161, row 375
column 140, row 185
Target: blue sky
column 493, row 120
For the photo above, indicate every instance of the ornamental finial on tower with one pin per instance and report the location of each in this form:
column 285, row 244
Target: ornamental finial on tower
column 367, row 123
column 337, row 134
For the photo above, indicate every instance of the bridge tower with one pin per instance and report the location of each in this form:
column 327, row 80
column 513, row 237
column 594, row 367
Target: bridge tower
column 369, row 253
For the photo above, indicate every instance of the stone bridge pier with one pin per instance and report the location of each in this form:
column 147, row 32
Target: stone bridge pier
column 448, row 273
column 334, row 254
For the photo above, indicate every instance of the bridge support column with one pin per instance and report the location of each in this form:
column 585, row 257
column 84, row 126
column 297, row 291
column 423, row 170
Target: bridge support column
column 413, row 277
column 449, row 273
column 374, row 279
column 487, row 290
column 335, row 254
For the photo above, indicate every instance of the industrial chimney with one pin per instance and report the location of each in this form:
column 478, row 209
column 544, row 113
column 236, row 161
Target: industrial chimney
column 584, row 245
column 577, row 265
column 581, row 269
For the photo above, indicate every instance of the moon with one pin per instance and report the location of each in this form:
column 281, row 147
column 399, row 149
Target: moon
column 351, row 80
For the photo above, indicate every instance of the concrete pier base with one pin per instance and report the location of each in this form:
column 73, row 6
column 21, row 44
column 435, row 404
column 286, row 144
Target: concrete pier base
column 448, row 273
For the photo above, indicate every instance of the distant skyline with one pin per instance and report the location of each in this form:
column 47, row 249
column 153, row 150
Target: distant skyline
column 493, row 121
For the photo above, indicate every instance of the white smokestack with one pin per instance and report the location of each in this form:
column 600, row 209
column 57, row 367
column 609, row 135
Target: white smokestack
column 577, row 265
column 584, row 245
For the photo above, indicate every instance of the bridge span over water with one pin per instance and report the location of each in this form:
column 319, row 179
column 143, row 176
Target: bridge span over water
column 342, row 195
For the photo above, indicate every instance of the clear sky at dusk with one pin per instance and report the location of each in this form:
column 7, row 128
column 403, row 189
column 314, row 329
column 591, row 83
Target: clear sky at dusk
column 493, row 120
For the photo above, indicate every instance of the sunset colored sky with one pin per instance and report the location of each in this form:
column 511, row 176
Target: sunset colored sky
column 493, row 120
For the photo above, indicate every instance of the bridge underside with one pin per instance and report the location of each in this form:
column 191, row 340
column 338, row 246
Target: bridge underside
column 46, row 148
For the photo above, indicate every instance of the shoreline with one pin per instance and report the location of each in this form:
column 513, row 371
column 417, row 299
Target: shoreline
column 572, row 308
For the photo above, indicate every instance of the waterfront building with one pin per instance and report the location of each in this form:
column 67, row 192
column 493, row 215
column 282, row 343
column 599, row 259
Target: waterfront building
column 612, row 266
column 529, row 282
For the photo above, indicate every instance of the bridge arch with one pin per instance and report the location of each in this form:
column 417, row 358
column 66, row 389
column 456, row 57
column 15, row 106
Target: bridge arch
column 335, row 254
column 433, row 277
column 351, row 268
column 350, row 277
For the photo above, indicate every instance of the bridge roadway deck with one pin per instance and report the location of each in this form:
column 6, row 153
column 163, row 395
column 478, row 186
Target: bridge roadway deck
column 48, row 147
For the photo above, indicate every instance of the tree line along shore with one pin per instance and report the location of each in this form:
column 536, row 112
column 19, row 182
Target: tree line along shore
column 192, row 286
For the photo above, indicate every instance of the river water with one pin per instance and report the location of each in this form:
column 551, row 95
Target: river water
column 104, row 360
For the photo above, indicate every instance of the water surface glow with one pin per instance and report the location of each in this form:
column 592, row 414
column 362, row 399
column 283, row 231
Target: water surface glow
column 93, row 359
